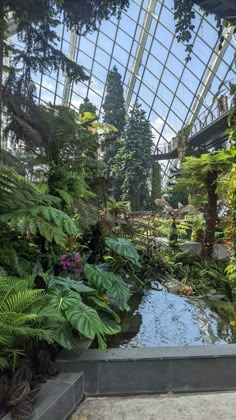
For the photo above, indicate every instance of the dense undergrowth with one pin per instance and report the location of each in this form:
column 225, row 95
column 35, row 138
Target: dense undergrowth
column 72, row 248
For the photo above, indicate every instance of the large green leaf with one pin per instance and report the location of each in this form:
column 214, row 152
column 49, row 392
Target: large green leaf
column 71, row 284
column 65, row 338
column 112, row 283
column 63, row 299
column 110, row 326
column 97, row 277
column 119, row 292
column 85, row 320
column 123, row 248
column 104, row 306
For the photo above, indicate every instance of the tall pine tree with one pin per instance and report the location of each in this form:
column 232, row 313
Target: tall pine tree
column 115, row 114
column 134, row 160
column 114, row 104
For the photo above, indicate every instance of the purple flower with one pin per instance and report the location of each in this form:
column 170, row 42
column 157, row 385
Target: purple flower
column 71, row 262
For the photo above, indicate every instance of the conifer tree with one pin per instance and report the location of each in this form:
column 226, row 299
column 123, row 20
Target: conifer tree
column 134, row 160
column 114, row 104
column 87, row 106
column 115, row 114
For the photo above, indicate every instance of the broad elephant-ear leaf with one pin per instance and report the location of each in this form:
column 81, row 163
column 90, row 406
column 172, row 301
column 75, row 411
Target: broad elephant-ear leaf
column 71, row 284
column 119, row 293
column 110, row 326
column 97, row 277
column 101, row 342
column 62, row 299
column 85, row 320
column 65, row 338
column 123, row 248
column 104, row 307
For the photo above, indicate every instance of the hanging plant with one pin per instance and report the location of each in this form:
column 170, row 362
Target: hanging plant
column 232, row 116
column 183, row 141
column 184, row 15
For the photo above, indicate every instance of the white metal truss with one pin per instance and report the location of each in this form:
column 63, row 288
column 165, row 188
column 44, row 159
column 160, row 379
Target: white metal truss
column 210, row 74
column 72, row 56
column 139, row 51
column 205, row 85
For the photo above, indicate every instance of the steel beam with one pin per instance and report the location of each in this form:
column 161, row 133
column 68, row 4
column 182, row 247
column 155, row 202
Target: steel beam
column 210, row 74
column 72, row 56
column 139, row 51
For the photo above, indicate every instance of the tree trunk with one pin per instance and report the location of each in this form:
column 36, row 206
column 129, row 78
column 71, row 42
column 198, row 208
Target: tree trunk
column 2, row 32
column 211, row 216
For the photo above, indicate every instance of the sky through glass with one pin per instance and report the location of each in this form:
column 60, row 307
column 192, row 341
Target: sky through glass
column 142, row 45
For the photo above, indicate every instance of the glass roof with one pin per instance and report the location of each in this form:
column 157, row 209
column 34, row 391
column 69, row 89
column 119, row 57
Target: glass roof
column 142, row 45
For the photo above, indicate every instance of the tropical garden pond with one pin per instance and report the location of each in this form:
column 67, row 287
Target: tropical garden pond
column 160, row 318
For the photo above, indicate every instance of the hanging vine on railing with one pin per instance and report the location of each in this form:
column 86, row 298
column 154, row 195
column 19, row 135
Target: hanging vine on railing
column 182, row 138
column 232, row 116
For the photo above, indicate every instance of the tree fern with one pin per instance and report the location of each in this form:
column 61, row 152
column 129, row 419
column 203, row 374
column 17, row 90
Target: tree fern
column 29, row 211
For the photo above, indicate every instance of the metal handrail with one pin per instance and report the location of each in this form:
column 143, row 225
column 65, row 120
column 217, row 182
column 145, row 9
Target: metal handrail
column 207, row 117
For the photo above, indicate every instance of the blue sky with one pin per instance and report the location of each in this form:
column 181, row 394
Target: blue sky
column 165, row 86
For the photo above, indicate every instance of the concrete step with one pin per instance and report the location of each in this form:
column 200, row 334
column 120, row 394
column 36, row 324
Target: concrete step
column 59, row 398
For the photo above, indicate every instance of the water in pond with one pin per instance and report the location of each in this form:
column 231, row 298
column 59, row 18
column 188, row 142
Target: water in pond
column 159, row 318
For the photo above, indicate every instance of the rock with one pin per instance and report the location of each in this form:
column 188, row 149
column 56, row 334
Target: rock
column 172, row 286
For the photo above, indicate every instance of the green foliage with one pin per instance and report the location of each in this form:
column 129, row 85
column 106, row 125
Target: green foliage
column 53, row 133
column 112, row 284
column 83, row 308
column 84, row 319
column 156, row 181
column 123, row 248
column 36, row 29
column 114, row 104
column 24, row 314
column 133, row 161
column 115, row 208
column 182, row 141
column 202, row 276
column 87, row 106
column 115, row 114
column 30, row 212
column 184, row 15
column 201, row 176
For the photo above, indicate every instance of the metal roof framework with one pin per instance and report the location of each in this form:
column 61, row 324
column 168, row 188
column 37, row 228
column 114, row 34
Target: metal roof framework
column 143, row 46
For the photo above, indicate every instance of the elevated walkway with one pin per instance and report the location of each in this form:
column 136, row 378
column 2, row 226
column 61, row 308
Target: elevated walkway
column 209, row 130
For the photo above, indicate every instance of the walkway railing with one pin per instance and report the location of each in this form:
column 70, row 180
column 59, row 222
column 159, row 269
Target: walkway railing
column 207, row 117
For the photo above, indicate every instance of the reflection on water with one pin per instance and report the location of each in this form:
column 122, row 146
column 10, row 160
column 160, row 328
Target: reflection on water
column 164, row 319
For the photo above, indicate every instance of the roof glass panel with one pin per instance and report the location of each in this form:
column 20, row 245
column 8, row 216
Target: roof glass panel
column 143, row 46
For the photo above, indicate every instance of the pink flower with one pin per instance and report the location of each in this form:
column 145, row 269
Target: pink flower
column 71, row 262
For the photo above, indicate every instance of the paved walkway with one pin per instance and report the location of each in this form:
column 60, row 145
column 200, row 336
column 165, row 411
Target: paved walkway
column 211, row 406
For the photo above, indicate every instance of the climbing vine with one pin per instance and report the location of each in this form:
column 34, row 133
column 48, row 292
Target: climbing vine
column 232, row 116
column 182, row 141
